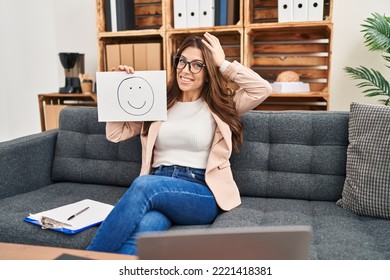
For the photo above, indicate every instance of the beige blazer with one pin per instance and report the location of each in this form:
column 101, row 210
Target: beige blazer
column 252, row 91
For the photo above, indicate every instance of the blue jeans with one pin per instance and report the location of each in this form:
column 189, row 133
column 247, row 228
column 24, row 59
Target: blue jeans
column 170, row 195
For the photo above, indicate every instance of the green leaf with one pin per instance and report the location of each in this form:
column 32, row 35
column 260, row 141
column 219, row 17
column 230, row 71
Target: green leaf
column 373, row 81
column 387, row 58
column 377, row 33
column 377, row 38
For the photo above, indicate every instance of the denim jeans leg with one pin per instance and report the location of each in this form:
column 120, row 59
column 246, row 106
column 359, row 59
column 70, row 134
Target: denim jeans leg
column 152, row 221
column 181, row 201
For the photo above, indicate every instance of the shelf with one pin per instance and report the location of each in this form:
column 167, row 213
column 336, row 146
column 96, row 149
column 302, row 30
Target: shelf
column 148, row 14
column 266, row 11
column 300, row 94
column 50, row 105
column 201, row 30
column 328, row 25
column 304, row 49
column 131, row 33
column 257, row 40
column 169, row 16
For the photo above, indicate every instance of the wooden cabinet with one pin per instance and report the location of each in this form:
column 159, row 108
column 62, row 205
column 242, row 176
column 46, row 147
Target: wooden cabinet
column 150, row 18
column 50, row 105
column 256, row 39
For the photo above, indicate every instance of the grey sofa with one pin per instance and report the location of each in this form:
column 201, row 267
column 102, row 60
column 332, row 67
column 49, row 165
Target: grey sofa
column 290, row 171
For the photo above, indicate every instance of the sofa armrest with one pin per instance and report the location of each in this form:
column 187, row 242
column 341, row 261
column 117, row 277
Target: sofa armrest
column 26, row 163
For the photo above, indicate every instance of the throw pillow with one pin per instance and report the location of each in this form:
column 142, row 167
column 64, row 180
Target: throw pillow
column 367, row 184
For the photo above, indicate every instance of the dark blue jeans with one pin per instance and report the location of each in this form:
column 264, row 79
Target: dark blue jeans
column 170, row 195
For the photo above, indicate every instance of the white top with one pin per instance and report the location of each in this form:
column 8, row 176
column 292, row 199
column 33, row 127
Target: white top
column 185, row 138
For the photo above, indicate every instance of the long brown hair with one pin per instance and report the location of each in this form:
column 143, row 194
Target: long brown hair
column 215, row 92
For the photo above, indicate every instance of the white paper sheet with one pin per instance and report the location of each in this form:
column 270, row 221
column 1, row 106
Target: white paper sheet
column 96, row 213
column 141, row 96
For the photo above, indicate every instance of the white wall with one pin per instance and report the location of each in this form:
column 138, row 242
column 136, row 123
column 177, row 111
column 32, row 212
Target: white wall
column 32, row 33
column 75, row 22
column 26, row 44
column 349, row 50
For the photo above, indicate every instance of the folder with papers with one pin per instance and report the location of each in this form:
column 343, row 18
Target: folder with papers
column 192, row 13
column 107, row 15
column 72, row 218
column 285, row 10
column 125, row 15
column 315, row 10
column 223, row 12
column 207, row 13
column 180, row 13
column 114, row 26
column 300, row 10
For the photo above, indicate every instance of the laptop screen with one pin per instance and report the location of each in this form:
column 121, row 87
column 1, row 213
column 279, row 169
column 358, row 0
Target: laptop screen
column 250, row 243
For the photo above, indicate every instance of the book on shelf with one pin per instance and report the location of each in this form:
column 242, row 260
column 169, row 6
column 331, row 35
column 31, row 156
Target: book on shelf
column 142, row 56
column 217, row 11
column 119, row 15
column 107, row 15
column 223, row 12
column 125, row 15
column 226, row 12
column 233, row 12
column 114, row 23
column 193, row 13
column 180, row 13
column 206, row 13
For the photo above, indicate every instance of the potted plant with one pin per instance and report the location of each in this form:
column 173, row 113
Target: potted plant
column 377, row 39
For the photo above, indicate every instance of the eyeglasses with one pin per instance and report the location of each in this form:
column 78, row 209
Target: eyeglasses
column 195, row 66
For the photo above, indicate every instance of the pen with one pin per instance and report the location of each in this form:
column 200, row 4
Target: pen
column 78, row 213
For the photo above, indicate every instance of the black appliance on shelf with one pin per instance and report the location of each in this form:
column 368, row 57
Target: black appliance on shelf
column 73, row 64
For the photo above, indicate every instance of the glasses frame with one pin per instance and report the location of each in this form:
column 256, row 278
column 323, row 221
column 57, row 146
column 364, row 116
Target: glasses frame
column 176, row 59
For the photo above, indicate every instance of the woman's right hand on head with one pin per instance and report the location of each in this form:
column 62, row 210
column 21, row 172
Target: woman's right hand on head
column 128, row 69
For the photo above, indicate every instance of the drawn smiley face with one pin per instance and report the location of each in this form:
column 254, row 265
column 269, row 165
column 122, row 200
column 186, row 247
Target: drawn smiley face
column 135, row 96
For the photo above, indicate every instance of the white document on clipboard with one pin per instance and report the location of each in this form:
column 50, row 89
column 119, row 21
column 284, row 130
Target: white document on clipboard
column 86, row 213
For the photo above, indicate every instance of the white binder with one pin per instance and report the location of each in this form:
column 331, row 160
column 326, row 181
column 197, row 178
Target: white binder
column 114, row 26
column 206, row 13
column 300, row 10
column 315, row 10
column 180, row 13
column 285, row 10
column 192, row 13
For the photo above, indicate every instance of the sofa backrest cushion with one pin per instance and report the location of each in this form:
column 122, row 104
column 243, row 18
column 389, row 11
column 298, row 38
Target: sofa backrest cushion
column 286, row 154
column 367, row 186
column 84, row 155
column 292, row 154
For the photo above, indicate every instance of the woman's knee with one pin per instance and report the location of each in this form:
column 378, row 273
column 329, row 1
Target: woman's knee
column 153, row 221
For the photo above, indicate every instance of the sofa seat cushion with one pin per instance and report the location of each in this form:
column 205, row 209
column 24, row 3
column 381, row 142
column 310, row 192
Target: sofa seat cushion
column 337, row 233
column 20, row 206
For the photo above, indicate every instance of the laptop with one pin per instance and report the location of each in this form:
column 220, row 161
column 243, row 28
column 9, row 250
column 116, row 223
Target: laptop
column 246, row 243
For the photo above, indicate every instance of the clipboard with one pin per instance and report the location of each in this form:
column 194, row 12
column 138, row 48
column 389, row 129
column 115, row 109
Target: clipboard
column 57, row 219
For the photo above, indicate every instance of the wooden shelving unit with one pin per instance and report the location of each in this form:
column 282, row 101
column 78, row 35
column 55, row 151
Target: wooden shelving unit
column 257, row 40
column 50, row 105
column 150, row 21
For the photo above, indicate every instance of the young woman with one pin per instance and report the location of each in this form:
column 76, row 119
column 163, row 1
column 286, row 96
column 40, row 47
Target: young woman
column 185, row 175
